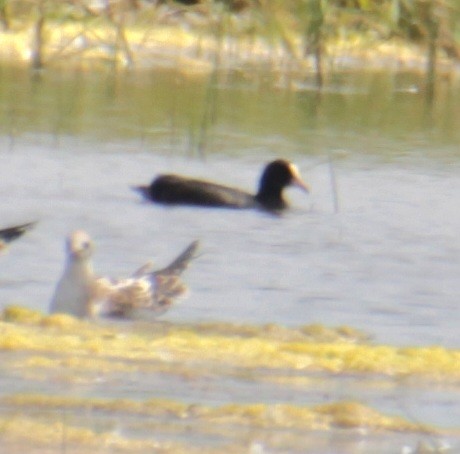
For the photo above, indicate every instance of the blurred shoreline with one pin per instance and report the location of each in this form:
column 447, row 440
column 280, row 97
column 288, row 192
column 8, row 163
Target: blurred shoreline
column 200, row 53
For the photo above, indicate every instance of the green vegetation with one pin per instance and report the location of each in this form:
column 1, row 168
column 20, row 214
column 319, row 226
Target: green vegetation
column 298, row 30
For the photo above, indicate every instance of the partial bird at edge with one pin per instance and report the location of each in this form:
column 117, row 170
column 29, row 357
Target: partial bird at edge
column 9, row 234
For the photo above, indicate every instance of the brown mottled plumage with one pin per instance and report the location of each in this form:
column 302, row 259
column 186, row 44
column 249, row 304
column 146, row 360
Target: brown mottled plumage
column 145, row 294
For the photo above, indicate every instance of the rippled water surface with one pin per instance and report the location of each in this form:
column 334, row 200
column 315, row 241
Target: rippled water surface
column 375, row 245
column 386, row 263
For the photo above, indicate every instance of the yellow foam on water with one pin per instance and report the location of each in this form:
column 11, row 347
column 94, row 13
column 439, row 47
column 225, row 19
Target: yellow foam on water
column 346, row 414
column 24, row 434
column 258, row 347
column 66, row 350
column 353, row 414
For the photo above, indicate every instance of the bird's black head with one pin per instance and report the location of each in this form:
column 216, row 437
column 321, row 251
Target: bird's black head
column 275, row 177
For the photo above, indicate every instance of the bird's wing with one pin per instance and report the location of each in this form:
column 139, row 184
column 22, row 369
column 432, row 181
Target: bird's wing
column 144, row 292
column 167, row 282
column 11, row 233
column 181, row 262
column 121, row 298
column 147, row 268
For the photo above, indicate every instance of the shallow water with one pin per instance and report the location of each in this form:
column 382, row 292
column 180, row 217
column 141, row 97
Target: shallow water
column 125, row 386
column 386, row 263
column 384, row 260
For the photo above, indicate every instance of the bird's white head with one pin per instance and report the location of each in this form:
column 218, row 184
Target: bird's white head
column 79, row 245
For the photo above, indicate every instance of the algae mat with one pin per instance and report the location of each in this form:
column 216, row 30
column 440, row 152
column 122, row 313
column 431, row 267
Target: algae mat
column 79, row 386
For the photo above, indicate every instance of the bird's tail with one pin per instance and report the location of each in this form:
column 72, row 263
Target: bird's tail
column 11, row 233
column 177, row 266
column 143, row 190
column 168, row 285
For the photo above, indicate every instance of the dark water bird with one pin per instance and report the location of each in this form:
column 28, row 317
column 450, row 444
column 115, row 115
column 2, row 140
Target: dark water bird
column 178, row 190
column 144, row 295
column 11, row 233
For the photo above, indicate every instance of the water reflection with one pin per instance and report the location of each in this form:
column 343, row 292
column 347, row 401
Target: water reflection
column 193, row 113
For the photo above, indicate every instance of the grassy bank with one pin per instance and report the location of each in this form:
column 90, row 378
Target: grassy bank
column 210, row 36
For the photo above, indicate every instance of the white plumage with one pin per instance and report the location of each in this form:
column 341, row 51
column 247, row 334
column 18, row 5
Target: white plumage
column 146, row 293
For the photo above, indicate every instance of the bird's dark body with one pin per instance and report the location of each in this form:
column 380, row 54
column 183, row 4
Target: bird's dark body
column 174, row 189
column 178, row 190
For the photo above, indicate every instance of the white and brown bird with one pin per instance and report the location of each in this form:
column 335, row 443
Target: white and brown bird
column 7, row 235
column 144, row 295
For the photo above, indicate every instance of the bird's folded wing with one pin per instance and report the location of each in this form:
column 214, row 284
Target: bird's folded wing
column 120, row 298
column 127, row 298
column 168, row 288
